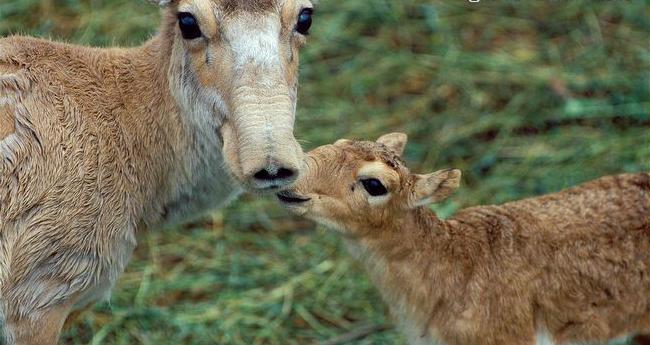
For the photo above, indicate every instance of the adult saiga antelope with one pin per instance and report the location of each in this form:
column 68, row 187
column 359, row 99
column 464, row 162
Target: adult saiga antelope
column 99, row 144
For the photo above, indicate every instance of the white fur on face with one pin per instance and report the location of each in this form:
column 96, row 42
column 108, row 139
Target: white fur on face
column 378, row 200
column 373, row 169
column 256, row 45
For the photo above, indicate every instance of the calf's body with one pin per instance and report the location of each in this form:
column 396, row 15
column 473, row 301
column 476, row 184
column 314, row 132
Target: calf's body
column 564, row 268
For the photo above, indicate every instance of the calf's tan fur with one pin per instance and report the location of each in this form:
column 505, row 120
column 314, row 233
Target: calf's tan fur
column 571, row 267
column 99, row 144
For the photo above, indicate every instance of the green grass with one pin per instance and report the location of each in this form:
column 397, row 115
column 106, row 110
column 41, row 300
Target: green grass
column 526, row 97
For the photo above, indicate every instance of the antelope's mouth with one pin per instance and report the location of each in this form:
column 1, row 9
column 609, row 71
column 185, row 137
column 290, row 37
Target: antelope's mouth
column 288, row 197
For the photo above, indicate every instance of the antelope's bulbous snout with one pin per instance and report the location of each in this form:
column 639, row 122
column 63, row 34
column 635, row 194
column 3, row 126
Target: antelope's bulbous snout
column 275, row 167
column 258, row 141
column 259, row 145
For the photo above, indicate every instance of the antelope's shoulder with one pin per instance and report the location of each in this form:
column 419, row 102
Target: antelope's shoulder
column 14, row 59
column 22, row 110
column 15, row 84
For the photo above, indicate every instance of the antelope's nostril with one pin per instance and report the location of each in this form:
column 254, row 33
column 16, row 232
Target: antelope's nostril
column 285, row 173
column 281, row 174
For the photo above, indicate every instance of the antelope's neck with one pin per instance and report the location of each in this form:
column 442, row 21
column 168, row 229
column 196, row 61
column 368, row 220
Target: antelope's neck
column 408, row 264
column 181, row 152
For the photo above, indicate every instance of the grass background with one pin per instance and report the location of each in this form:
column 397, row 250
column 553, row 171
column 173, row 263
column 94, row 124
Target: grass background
column 526, row 97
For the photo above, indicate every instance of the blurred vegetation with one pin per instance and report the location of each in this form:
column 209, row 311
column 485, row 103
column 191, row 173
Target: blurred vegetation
column 526, row 97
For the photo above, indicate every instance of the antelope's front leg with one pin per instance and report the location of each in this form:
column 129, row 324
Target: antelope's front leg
column 41, row 328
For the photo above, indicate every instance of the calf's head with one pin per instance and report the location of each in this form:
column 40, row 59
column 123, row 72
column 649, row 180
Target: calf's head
column 236, row 61
column 357, row 186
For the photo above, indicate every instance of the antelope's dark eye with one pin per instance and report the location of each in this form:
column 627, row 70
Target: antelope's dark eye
column 304, row 21
column 374, row 187
column 189, row 26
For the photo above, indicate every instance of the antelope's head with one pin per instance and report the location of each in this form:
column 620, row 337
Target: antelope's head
column 236, row 62
column 357, row 187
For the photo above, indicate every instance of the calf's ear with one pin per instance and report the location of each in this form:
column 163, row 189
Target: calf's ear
column 434, row 187
column 394, row 141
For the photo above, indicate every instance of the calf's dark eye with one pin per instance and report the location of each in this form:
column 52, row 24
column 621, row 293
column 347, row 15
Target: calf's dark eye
column 304, row 21
column 374, row 187
column 188, row 25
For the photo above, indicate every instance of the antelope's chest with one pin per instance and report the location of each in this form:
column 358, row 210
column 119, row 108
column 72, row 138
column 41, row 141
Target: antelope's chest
column 119, row 257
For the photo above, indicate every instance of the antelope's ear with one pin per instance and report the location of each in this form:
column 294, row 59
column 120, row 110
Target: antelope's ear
column 394, row 141
column 161, row 3
column 434, row 187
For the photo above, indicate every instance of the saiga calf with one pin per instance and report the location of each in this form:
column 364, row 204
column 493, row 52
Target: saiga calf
column 566, row 268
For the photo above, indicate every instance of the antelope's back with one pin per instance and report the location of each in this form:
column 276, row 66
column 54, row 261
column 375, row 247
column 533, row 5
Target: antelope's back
column 612, row 203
